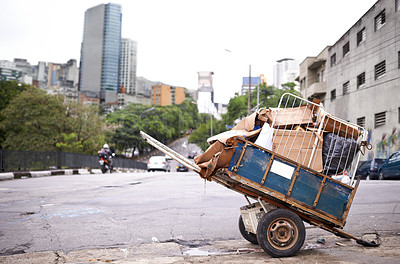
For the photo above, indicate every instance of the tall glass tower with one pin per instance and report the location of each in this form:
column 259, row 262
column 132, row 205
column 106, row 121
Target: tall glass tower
column 100, row 52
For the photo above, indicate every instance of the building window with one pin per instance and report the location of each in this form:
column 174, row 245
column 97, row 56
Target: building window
column 333, row 95
column 360, row 80
column 361, row 121
column 323, row 74
column 346, row 49
column 380, row 119
column 333, row 60
column 346, row 87
column 397, row 5
column 380, row 69
column 380, row 20
column 361, row 36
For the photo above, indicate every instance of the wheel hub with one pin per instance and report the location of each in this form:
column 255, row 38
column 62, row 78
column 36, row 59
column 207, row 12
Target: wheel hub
column 282, row 233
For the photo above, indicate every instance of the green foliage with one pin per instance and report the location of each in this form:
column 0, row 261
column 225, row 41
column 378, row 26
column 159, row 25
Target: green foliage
column 165, row 123
column 69, row 143
column 273, row 100
column 87, row 125
column 203, row 132
column 237, row 108
column 34, row 120
column 8, row 90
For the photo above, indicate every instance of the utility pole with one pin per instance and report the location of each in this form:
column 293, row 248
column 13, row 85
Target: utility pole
column 249, row 93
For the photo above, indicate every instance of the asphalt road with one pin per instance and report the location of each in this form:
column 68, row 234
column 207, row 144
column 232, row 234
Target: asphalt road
column 117, row 210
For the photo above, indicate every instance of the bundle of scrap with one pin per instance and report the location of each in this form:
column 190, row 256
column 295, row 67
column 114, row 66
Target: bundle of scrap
column 306, row 134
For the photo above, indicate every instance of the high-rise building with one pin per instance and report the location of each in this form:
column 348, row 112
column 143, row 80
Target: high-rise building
column 286, row 70
column 127, row 68
column 100, row 52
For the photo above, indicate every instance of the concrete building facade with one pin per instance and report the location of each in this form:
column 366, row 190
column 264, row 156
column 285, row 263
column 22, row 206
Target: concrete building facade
column 100, row 52
column 162, row 94
column 285, row 70
column 127, row 68
column 205, row 94
column 312, row 76
column 9, row 71
column 363, row 76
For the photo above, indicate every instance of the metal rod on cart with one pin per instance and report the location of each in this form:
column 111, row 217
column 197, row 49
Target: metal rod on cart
column 171, row 153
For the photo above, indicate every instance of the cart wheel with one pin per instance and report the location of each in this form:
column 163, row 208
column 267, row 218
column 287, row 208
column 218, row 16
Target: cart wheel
column 281, row 233
column 252, row 238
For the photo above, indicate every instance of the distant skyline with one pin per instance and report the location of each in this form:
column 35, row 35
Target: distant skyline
column 178, row 38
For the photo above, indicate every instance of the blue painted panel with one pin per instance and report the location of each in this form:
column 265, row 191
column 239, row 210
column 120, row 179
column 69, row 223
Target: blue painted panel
column 254, row 164
column 334, row 198
column 236, row 156
column 277, row 182
column 306, row 186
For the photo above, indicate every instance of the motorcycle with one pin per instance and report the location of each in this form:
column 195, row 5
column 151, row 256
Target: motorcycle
column 105, row 162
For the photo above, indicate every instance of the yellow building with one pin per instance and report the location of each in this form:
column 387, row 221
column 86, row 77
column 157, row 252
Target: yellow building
column 162, row 94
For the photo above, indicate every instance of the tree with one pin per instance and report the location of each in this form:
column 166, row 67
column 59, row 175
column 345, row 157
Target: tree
column 237, row 108
column 202, row 133
column 8, row 90
column 33, row 120
column 85, row 129
column 164, row 123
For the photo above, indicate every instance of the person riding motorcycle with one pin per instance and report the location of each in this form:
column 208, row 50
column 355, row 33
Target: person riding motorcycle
column 108, row 154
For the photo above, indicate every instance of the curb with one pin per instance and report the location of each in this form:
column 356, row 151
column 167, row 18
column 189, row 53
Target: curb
column 34, row 174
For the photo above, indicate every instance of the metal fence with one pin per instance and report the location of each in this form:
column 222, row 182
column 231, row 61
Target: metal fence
column 11, row 160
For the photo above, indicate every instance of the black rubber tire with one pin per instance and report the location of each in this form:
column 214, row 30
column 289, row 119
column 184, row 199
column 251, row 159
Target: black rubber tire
column 103, row 170
column 281, row 233
column 252, row 238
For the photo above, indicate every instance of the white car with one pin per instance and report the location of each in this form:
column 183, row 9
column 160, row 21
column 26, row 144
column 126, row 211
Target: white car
column 159, row 163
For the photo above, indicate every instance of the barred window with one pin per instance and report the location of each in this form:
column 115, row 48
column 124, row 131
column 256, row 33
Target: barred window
column 346, row 87
column 397, row 5
column 380, row 69
column 380, row 119
column 360, row 80
column 333, row 60
column 361, row 121
column 333, row 95
column 380, row 20
column 346, row 49
column 361, row 36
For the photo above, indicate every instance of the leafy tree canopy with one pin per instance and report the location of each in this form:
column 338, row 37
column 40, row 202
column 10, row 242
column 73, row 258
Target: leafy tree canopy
column 35, row 120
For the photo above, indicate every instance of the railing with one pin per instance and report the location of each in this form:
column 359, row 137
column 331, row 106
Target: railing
column 46, row 160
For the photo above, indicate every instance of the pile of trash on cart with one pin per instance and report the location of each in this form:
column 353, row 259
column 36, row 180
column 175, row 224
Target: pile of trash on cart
column 299, row 130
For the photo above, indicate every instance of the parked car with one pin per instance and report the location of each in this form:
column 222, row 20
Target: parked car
column 181, row 167
column 369, row 169
column 192, row 154
column 391, row 168
column 159, row 163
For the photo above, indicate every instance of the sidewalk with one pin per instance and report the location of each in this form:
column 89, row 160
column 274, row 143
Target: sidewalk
column 335, row 250
column 33, row 174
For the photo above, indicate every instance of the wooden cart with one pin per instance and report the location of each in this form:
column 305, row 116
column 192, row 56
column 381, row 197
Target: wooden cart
column 289, row 191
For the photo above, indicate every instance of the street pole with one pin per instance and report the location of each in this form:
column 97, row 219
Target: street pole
column 249, row 93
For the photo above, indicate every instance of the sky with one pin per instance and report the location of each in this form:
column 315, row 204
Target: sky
column 178, row 38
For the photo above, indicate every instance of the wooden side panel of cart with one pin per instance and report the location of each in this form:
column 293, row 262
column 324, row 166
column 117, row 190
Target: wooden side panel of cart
column 290, row 184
